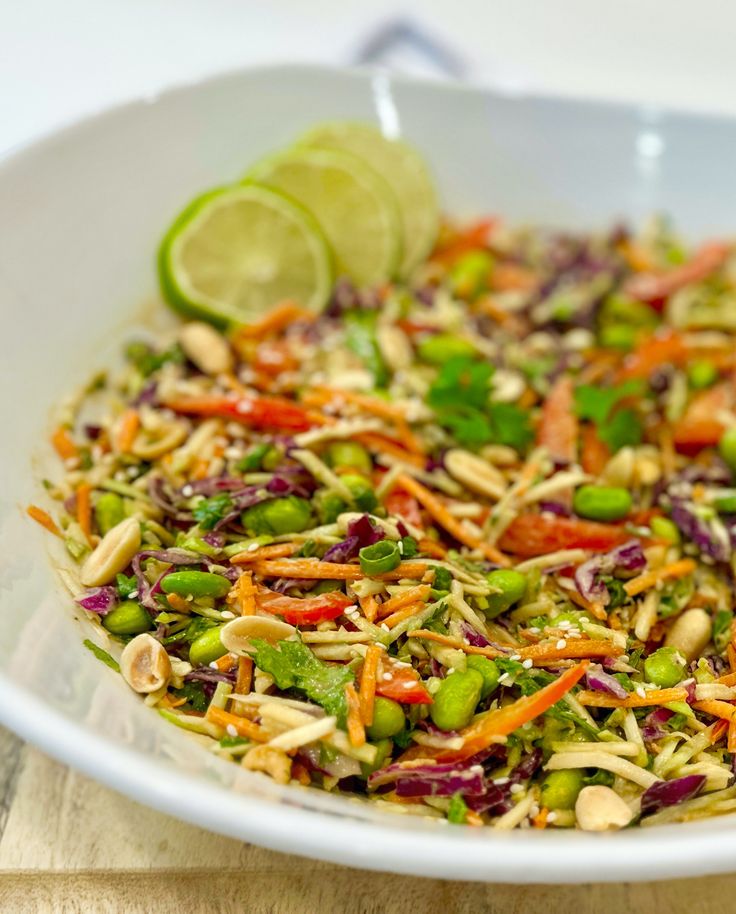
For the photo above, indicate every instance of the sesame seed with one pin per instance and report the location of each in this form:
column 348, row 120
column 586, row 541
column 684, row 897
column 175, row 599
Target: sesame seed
column 408, row 685
column 385, row 627
column 515, row 788
column 503, row 677
column 252, row 547
column 561, row 643
column 534, row 630
column 564, row 623
column 515, row 657
column 450, row 669
column 244, row 407
column 187, row 491
column 528, row 663
column 133, row 595
column 499, row 782
column 213, row 665
column 552, row 817
column 230, row 730
column 640, row 692
column 387, row 677
column 226, row 614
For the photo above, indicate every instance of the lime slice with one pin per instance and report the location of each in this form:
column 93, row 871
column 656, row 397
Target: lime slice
column 353, row 205
column 404, row 171
column 235, row 252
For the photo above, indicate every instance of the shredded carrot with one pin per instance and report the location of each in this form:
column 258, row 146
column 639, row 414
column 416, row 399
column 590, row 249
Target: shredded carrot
column 636, row 256
column 367, row 692
column 729, row 679
column 653, row 697
column 84, row 510
column 731, row 743
column 594, row 453
column 242, row 726
column 273, row 321
column 539, row 654
column 200, row 468
column 63, row 444
column 593, row 607
column 226, row 663
column 356, row 730
column 376, row 442
column 406, row 612
column 276, row 551
column 369, row 605
column 650, row 578
column 407, row 437
column 433, row 549
column 300, row 773
column 410, row 595
column 243, row 595
column 373, row 405
column 510, row 277
column 715, row 707
column 443, row 517
column 731, row 654
column 314, row 569
column 540, row 820
column 43, row 518
column 718, row 730
column 244, row 678
column 127, row 430
column 459, row 242
column 168, row 701
column 473, row 818
column 178, row 603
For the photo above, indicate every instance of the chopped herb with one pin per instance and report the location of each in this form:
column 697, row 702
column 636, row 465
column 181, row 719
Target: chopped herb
column 409, row 547
column 442, row 578
column 194, row 694
column 461, row 380
column 147, row 360
column 722, row 629
column 102, row 655
column 294, row 666
column 126, row 585
column 457, row 811
column 616, row 427
column 211, row 510
column 510, row 425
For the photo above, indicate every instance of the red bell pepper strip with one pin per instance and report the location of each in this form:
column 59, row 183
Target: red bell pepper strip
column 259, row 412
column 653, row 352
column 303, row 610
column 700, row 426
column 404, row 685
column 558, row 428
column 656, row 288
column 502, row 721
column 404, row 506
column 538, row 534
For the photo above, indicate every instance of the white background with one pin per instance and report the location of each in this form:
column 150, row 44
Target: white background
column 60, row 60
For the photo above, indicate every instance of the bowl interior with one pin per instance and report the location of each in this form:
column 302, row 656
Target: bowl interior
column 80, row 217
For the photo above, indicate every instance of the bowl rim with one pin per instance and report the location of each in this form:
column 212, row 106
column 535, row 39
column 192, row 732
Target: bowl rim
column 447, row 853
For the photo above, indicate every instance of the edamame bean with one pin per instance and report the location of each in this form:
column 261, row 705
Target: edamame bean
column 349, row 454
column 666, row 529
column 388, row 719
column 510, row 585
column 195, row 584
column 602, row 502
column 361, row 490
column 206, row 647
column 702, row 374
column 328, row 506
column 130, row 618
column 665, row 667
column 383, row 752
column 109, row 511
column 439, row 348
column 560, row 789
column 488, row 670
column 456, row 700
column 290, row 514
column 727, row 447
column 726, row 504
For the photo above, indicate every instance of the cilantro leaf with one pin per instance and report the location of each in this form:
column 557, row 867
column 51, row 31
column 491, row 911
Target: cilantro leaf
column 211, row 510
column 294, row 666
column 468, row 425
column 622, row 429
column 510, row 425
column 457, row 811
column 126, row 585
column 461, row 381
column 616, row 427
column 195, row 695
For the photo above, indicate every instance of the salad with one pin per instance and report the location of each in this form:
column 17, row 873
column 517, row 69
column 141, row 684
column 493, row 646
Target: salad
column 458, row 540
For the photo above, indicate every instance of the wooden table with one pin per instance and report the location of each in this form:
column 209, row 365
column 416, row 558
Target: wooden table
column 70, row 845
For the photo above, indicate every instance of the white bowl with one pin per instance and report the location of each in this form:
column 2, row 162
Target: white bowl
column 80, row 216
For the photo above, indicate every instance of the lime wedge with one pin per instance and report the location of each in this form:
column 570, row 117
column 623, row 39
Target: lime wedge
column 235, row 252
column 404, row 171
column 353, row 205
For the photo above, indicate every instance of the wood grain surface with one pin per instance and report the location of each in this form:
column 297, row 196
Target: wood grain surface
column 70, row 845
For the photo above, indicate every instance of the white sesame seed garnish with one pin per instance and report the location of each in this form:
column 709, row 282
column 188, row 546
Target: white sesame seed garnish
column 450, row 669
column 528, row 663
column 552, row 817
column 187, row 491
column 534, row 630
column 244, row 407
column 133, row 595
column 564, row 623
column 640, row 692
column 561, row 644
column 515, row 788
column 503, row 677
column 387, row 677
column 385, row 627
column 213, row 665
column 408, row 685
column 499, row 782
column 230, row 730
column 226, row 614
column 252, row 547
